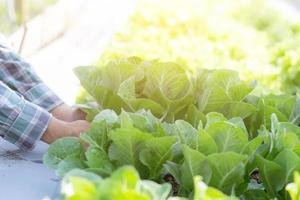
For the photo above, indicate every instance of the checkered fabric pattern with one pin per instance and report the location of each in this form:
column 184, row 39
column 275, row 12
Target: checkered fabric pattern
column 25, row 101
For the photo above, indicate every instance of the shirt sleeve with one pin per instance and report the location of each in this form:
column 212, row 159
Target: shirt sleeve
column 21, row 122
column 20, row 76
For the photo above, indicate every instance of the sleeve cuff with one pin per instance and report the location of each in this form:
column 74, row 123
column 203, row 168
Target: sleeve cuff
column 43, row 96
column 28, row 126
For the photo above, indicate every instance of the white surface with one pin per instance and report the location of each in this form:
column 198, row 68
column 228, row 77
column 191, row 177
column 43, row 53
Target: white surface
column 23, row 176
column 82, row 44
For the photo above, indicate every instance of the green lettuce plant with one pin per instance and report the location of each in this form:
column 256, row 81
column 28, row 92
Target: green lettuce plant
column 168, row 90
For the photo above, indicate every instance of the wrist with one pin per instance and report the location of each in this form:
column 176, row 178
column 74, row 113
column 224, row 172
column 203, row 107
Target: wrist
column 53, row 131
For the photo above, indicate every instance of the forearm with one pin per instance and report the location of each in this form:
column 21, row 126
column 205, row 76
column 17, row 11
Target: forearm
column 53, row 131
column 21, row 122
column 20, row 76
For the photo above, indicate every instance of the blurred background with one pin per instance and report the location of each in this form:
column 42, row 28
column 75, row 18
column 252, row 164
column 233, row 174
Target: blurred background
column 15, row 12
column 57, row 35
column 258, row 38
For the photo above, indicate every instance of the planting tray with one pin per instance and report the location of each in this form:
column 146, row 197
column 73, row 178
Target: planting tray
column 23, row 176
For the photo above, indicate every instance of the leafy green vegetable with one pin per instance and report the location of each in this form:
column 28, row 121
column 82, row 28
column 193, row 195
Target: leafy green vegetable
column 176, row 120
column 272, row 175
column 227, row 136
column 294, row 188
column 207, row 144
column 168, row 90
column 195, row 163
column 127, row 145
column 124, row 183
column 220, row 151
column 203, row 192
column 97, row 159
column 228, row 169
column 65, row 148
column 156, row 152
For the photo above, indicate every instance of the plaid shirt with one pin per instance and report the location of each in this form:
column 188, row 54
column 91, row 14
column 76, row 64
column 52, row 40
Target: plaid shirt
column 25, row 101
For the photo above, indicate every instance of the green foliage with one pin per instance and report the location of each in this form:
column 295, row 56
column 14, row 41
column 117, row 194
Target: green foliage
column 177, row 121
column 203, row 192
column 195, row 163
column 272, row 176
column 219, row 150
column 204, row 123
column 260, row 44
column 228, row 170
column 167, row 89
column 64, row 152
column 294, row 188
column 123, row 183
column 156, row 152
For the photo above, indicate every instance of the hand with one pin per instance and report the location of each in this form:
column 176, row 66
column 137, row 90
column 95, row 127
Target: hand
column 58, row 129
column 67, row 113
